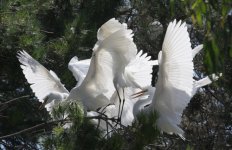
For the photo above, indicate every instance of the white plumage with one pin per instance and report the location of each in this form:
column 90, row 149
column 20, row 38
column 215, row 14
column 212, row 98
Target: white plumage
column 79, row 69
column 175, row 86
column 138, row 73
column 45, row 84
column 106, row 69
column 109, row 27
column 175, row 78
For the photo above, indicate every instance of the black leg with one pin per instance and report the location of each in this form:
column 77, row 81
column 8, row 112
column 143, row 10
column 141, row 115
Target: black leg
column 123, row 101
column 119, row 119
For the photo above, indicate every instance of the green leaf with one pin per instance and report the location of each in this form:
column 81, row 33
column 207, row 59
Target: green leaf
column 189, row 147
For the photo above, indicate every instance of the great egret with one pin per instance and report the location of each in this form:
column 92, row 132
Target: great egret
column 175, row 86
column 106, row 69
column 45, row 84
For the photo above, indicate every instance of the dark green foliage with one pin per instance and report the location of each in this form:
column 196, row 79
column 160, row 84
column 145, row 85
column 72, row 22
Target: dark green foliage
column 79, row 132
column 83, row 134
column 53, row 31
column 214, row 19
column 145, row 130
column 115, row 142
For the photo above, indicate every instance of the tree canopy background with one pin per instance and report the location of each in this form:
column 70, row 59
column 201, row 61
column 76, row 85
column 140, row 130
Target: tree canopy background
column 54, row 31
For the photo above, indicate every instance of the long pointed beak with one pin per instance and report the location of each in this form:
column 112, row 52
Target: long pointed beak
column 138, row 94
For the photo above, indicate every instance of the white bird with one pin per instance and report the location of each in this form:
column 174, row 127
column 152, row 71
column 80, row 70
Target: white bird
column 45, row 84
column 175, row 86
column 106, row 70
column 175, row 79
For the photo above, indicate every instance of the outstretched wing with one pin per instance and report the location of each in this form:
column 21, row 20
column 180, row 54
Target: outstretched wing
column 43, row 82
column 79, row 68
column 139, row 70
column 175, row 79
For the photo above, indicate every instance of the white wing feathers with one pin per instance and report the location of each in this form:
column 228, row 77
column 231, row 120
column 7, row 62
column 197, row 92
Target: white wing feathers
column 175, row 81
column 108, row 28
column 177, row 65
column 43, row 82
column 112, row 56
column 79, row 68
column 120, row 44
column 133, row 73
column 139, row 70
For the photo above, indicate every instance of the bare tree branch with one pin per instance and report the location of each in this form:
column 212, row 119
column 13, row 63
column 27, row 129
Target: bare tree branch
column 14, row 99
column 33, row 127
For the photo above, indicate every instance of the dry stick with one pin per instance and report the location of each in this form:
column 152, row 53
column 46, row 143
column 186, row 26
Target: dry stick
column 104, row 108
column 3, row 107
column 47, row 31
column 2, row 116
column 106, row 118
column 47, row 123
column 98, row 124
column 107, row 129
column 31, row 128
column 14, row 99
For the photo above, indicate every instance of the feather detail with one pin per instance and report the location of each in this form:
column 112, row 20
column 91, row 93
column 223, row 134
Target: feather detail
column 175, row 81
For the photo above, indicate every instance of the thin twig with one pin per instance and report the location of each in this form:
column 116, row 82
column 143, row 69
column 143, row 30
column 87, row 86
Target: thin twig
column 2, row 13
column 14, row 99
column 2, row 116
column 105, row 118
column 31, row 128
column 47, row 31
